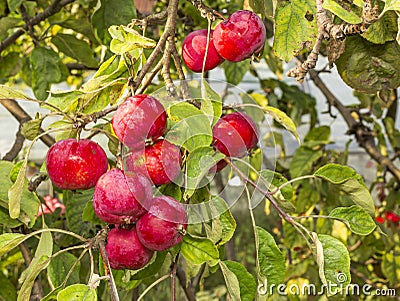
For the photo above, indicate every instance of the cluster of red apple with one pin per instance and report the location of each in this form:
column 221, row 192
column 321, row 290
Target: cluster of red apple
column 124, row 197
column 389, row 216
column 234, row 39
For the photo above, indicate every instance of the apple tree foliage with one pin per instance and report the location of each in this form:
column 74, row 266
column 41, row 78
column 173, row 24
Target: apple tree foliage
column 317, row 223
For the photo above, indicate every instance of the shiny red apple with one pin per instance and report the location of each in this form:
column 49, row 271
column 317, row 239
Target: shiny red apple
column 75, row 164
column 235, row 134
column 125, row 251
column 121, row 197
column 160, row 162
column 138, row 118
column 194, row 49
column 163, row 225
column 239, row 36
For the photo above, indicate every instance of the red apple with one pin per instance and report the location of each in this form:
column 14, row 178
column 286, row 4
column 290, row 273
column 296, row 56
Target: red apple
column 163, row 225
column 194, row 49
column 125, row 251
column 121, row 197
column 138, row 118
column 75, row 164
column 235, row 134
column 160, row 162
column 239, row 36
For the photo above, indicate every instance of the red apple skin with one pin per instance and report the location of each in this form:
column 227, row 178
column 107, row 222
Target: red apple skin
column 194, row 49
column 125, row 251
column 76, row 164
column 121, row 197
column 160, row 162
column 235, row 134
column 138, row 118
column 239, row 36
column 162, row 226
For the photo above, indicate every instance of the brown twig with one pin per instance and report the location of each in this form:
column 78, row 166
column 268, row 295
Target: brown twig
column 168, row 34
column 360, row 131
column 205, row 11
column 22, row 116
column 266, row 193
column 327, row 30
column 188, row 289
column 17, row 146
column 52, row 9
column 99, row 242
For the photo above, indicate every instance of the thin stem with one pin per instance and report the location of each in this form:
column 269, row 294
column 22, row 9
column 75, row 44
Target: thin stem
column 292, row 181
column 73, row 267
column 267, row 194
column 254, row 225
column 159, row 280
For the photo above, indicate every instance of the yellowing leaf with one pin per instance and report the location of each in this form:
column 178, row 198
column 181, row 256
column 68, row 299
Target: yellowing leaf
column 126, row 39
column 295, row 25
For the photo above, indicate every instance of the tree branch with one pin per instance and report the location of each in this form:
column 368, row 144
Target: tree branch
column 188, row 289
column 19, row 113
column 54, row 8
column 16, row 148
column 362, row 133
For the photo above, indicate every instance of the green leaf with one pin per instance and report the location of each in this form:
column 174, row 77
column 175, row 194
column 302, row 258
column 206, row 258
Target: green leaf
column 347, row 16
column 9, row 241
column 60, row 266
column 283, row 119
column 8, row 291
column 125, row 39
column 334, row 262
column 226, row 219
column 231, row 280
column 111, row 12
column 26, row 288
column 191, row 129
column 383, row 30
column 359, row 194
column 246, row 281
column 88, row 214
column 10, row 93
column 270, row 258
column 292, row 28
column 14, row 4
column 263, row 7
column 390, row 267
column 151, row 269
column 198, row 164
column 75, row 203
column 29, row 203
column 368, row 67
column 45, row 71
column 11, row 63
column 77, row 292
column 7, row 23
column 199, row 250
column 44, row 248
column 234, row 72
column 391, row 5
column 211, row 102
column 16, row 190
column 336, row 173
column 355, row 218
column 222, row 225
column 75, row 48
column 30, row 129
column 275, row 180
column 303, row 160
column 64, row 101
column 6, row 220
column 98, row 101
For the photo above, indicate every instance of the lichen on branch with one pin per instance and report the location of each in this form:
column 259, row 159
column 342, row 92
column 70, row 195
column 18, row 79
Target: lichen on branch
column 328, row 30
